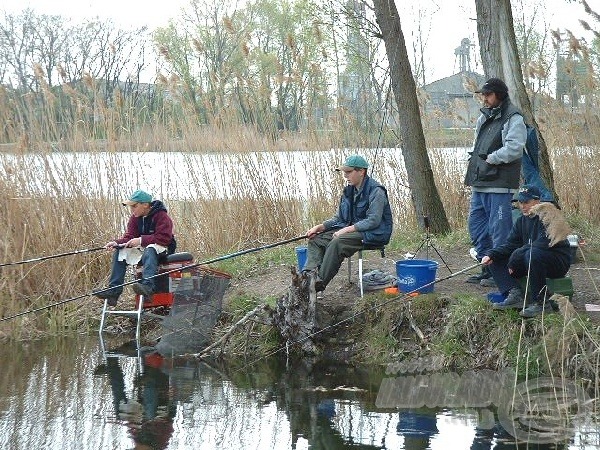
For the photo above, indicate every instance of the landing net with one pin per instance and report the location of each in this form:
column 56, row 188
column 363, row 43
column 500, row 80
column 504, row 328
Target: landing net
column 197, row 305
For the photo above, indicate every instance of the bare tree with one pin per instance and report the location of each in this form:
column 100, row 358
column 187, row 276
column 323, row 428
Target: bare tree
column 500, row 57
column 425, row 196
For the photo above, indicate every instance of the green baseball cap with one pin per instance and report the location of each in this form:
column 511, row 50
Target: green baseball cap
column 354, row 161
column 138, row 197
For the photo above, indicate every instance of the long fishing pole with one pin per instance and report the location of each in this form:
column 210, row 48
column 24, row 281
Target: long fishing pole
column 60, row 255
column 352, row 317
column 179, row 269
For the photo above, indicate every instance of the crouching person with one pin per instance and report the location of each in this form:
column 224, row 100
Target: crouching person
column 148, row 237
column 537, row 247
column 364, row 218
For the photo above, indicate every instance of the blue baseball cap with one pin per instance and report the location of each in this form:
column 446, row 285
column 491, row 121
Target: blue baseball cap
column 354, row 162
column 528, row 192
column 138, row 197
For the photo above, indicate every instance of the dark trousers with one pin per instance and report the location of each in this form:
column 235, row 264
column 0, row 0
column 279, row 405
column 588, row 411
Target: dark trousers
column 328, row 253
column 536, row 263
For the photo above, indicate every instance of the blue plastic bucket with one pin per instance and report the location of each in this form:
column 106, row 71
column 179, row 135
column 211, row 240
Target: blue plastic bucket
column 301, row 257
column 414, row 273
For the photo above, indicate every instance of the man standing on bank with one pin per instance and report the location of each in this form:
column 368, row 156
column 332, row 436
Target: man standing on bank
column 364, row 218
column 149, row 236
column 537, row 248
column 494, row 170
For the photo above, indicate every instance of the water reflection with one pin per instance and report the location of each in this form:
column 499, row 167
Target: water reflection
column 73, row 395
column 147, row 411
column 417, row 427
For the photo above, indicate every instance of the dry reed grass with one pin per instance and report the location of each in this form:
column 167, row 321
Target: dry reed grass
column 55, row 202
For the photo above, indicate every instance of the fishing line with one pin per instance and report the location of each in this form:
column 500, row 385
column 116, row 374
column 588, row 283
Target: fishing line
column 352, row 317
column 179, row 269
column 44, row 258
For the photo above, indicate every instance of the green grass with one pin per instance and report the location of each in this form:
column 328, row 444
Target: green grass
column 467, row 333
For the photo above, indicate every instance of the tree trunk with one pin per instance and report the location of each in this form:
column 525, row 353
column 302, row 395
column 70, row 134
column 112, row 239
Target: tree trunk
column 500, row 57
column 424, row 194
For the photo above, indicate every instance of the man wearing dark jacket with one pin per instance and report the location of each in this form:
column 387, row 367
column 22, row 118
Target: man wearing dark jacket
column 149, row 235
column 494, row 170
column 537, row 247
column 364, row 217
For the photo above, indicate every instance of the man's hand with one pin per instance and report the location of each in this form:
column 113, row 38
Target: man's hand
column 344, row 230
column 315, row 230
column 486, row 261
column 135, row 242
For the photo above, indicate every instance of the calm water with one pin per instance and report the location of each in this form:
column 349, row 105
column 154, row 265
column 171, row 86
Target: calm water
column 180, row 176
column 70, row 394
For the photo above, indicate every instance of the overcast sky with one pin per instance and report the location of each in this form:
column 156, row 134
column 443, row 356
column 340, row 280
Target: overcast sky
column 444, row 23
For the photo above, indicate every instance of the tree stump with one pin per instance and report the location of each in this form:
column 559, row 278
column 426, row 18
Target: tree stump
column 295, row 313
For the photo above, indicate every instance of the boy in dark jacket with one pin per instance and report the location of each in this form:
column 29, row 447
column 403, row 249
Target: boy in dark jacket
column 149, row 236
column 537, row 247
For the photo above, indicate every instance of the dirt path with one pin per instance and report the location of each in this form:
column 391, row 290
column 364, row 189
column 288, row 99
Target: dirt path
column 274, row 281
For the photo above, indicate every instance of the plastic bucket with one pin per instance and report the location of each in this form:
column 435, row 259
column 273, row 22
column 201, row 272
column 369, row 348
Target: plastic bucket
column 414, row 273
column 301, row 257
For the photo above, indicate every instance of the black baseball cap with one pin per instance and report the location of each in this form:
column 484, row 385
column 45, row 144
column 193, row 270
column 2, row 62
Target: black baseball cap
column 493, row 85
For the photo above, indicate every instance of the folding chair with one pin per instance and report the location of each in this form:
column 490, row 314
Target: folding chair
column 381, row 249
column 165, row 288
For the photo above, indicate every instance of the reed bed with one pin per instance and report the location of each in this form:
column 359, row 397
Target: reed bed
column 57, row 202
column 228, row 186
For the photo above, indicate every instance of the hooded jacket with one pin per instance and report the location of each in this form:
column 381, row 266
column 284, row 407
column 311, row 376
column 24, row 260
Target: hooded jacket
column 155, row 228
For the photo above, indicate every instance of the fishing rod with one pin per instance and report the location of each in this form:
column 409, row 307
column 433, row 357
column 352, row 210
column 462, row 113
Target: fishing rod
column 405, row 296
column 44, row 258
column 179, row 269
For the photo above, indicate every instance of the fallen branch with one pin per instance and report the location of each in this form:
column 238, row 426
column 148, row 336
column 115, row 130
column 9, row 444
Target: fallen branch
column 235, row 326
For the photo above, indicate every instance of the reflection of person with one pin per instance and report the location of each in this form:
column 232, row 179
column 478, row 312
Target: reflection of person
column 364, row 217
column 150, row 414
column 494, row 170
column 537, row 247
column 117, row 383
column 149, row 235
column 158, row 411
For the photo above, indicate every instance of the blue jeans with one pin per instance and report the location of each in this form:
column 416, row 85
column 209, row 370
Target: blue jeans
column 490, row 220
column 149, row 264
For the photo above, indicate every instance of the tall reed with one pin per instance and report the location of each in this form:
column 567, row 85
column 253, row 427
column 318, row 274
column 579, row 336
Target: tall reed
column 64, row 179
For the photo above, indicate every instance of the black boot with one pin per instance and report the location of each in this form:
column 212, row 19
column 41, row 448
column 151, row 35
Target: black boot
column 484, row 275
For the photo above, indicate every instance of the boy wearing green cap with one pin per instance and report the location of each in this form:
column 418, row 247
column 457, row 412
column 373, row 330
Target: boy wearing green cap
column 149, row 236
column 364, row 218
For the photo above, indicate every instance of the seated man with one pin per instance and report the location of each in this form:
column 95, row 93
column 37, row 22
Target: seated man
column 149, row 235
column 536, row 247
column 364, row 217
